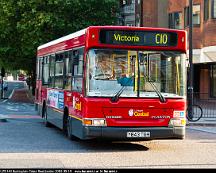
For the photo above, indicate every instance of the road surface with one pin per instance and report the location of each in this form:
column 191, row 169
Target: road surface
column 13, row 85
column 25, row 142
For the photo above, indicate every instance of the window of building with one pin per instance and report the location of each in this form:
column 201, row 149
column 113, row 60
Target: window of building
column 186, row 16
column 196, row 15
column 213, row 81
column 206, row 9
column 213, row 9
column 175, row 20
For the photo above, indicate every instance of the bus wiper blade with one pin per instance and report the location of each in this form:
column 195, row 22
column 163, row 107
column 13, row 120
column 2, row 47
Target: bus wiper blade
column 124, row 83
column 161, row 97
column 116, row 97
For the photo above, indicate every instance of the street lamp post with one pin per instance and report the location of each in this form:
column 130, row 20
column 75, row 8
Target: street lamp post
column 190, row 87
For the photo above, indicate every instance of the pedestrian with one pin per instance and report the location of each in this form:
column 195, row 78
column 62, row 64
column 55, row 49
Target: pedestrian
column 5, row 86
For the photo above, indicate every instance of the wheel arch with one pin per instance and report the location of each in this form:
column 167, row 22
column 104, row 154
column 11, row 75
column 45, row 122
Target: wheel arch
column 65, row 115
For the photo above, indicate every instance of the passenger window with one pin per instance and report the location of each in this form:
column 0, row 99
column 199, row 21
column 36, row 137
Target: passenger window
column 68, row 70
column 52, row 71
column 59, row 71
column 77, row 69
column 45, row 76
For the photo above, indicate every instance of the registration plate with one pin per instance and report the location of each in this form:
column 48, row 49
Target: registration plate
column 138, row 134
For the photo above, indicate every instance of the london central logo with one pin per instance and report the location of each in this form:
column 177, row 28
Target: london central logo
column 138, row 113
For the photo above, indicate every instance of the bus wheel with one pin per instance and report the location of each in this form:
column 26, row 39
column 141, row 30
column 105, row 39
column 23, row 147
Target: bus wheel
column 44, row 115
column 68, row 127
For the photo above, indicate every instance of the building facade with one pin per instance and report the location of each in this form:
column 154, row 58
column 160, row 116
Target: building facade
column 147, row 13
column 127, row 13
column 204, row 41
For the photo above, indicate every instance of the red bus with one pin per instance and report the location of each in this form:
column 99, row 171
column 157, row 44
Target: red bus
column 114, row 82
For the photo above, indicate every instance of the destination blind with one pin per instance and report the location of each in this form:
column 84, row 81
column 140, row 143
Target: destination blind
column 138, row 38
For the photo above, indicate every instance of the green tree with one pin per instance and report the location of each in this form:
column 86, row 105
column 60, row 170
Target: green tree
column 26, row 24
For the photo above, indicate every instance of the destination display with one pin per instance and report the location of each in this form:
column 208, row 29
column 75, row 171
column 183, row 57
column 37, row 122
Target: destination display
column 138, row 38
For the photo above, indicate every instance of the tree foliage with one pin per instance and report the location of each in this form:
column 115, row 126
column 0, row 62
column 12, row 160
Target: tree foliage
column 26, row 24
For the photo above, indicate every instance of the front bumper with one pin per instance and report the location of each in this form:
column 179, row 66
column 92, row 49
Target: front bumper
column 120, row 133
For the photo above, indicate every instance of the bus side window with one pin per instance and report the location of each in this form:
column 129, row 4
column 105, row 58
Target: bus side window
column 40, row 68
column 68, row 70
column 77, row 70
column 45, row 73
column 52, row 71
column 59, row 71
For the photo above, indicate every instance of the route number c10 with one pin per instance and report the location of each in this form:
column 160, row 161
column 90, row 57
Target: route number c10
column 161, row 38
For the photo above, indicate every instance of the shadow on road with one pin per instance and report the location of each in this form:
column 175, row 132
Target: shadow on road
column 108, row 146
column 25, row 135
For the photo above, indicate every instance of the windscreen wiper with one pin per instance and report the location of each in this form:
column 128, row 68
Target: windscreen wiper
column 161, row 97
column 117, row 95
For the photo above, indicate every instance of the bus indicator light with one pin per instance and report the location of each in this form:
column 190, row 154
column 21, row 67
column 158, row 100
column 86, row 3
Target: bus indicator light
column 87, row 122
column 94, row 122
column 183, row 39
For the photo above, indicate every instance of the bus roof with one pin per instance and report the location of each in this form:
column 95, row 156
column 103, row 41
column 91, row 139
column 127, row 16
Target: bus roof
column 59, row 40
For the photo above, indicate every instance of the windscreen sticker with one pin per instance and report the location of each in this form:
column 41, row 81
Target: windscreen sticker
column 180, row 114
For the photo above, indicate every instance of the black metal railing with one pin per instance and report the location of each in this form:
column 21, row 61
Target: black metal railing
column 207, row 103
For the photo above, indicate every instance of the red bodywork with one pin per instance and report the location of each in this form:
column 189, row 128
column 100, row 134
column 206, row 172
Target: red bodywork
column 149, row 112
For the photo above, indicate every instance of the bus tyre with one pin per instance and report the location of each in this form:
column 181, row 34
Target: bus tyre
column 68, row 129
column 44, row 115
column 68, row 132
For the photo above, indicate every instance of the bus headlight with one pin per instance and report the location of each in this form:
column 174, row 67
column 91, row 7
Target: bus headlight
column 94, row 122
column 177, row 122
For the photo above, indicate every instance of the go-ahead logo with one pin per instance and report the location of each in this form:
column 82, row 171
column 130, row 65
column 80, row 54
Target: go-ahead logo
column 130, row 112
column 138, row 113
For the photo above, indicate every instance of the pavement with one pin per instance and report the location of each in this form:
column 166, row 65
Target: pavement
column 21, row 95
column 203, row 122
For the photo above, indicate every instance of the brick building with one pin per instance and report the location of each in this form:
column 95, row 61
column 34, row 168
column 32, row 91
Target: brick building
column 204, row 40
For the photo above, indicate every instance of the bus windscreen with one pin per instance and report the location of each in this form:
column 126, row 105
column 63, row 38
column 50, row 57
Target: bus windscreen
column 138, row 38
